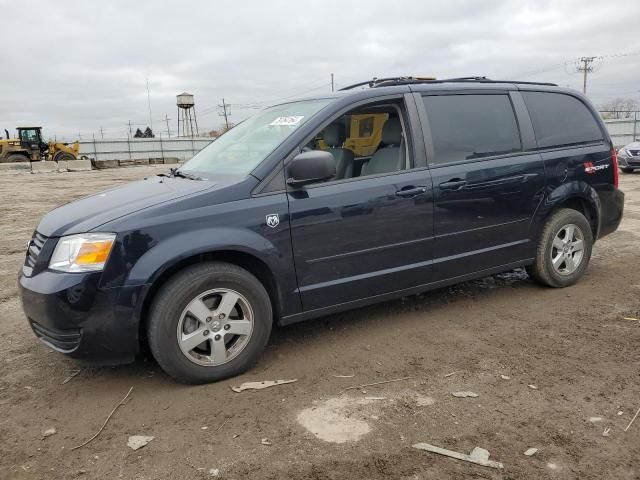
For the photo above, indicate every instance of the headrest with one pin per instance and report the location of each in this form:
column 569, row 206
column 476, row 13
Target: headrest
column 392, row 132
column 335, row 135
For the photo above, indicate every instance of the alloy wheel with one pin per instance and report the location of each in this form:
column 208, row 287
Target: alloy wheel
column 215, row 327
column 567, row 249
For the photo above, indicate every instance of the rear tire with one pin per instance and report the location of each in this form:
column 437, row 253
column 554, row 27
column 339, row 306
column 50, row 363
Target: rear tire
column 563, row 250
column 191, row 306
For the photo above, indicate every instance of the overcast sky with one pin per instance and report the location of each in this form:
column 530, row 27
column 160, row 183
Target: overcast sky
column 74, row 67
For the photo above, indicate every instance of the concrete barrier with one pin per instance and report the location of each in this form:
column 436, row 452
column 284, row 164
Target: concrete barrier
column 75, row 165
column 101, row 164
column 84, row 165
column 15, row 167
column 44, row 167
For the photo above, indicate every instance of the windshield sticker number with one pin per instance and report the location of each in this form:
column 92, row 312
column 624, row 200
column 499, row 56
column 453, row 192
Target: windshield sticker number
column 291, row 121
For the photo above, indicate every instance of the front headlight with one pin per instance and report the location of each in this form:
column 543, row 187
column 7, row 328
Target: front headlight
column 85, row 252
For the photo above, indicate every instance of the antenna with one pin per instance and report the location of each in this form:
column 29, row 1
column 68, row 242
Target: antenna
column 149, row 104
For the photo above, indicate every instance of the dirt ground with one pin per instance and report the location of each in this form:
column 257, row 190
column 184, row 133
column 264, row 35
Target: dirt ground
column 573, row 345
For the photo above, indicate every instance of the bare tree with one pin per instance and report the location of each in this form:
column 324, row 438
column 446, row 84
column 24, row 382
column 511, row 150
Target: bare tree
column 216, row 133
column 619, row 108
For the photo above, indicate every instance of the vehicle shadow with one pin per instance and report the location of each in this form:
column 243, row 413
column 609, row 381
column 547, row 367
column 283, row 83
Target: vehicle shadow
column 312, row 333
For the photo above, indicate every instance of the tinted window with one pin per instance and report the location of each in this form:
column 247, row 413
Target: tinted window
column 560, row 119
column 465, row 127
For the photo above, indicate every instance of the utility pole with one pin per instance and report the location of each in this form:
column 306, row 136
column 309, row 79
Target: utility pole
column 166, row 119
column 149, row 103
column 224, row 113
column 102, row 133
column 332, row 82
column 585, row 68
column 130, row 131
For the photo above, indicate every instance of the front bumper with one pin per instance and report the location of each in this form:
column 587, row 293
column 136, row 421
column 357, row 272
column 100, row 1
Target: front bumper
column 628, row 162
column 71, row 314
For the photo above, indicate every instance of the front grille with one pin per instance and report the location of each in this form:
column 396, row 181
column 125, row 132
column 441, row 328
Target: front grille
column 35, row 247
column 65, row 341
column 634, row 153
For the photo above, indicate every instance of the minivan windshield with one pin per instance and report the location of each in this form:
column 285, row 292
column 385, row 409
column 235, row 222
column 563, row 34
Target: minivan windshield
column 242, row 148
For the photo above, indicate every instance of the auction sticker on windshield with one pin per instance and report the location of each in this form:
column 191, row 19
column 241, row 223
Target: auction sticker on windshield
column 288, row 121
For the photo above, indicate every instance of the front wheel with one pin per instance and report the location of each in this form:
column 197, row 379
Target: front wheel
column 626, row 169
column 564, row 249
column 64, row 157
column 209, row 322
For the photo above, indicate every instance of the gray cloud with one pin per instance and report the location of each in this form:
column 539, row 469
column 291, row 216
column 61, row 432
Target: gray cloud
column 74, row 67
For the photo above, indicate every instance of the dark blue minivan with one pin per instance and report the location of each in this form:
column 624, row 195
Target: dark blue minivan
column 280, row 221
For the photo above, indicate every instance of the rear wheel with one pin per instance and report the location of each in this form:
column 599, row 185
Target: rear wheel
column 209, row 322
column 564, row 249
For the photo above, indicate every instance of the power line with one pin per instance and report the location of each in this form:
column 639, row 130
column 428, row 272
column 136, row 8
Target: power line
column 569, row 62
column 628, row 54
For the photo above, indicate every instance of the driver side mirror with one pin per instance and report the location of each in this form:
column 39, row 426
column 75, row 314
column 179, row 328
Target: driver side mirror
column 310, row 167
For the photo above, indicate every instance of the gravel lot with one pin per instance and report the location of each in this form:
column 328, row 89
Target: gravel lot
column 573, row 345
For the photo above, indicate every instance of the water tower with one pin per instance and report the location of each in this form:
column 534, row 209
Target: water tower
column 186, row 115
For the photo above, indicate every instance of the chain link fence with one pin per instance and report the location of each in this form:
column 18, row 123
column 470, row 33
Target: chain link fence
column 623, row 126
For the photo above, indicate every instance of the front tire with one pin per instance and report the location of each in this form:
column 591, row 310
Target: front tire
column 209, row 322
column 626, row 169
column 64, row 157
column 564, row 249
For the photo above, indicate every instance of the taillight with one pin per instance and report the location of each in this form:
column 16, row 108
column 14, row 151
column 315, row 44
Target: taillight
column 614, row 159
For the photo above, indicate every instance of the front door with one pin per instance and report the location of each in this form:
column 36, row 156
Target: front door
column 370, row 234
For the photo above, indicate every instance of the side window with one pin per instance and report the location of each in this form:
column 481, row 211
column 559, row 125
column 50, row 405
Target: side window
column 276, row 184
column 466, row 127
column 560, row 119
column 369, row 140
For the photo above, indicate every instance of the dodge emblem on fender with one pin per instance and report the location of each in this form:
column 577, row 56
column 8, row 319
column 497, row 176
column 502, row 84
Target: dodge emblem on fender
column 273, row 220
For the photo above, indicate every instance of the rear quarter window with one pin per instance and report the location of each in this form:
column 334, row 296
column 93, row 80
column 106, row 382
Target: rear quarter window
column 559, row 119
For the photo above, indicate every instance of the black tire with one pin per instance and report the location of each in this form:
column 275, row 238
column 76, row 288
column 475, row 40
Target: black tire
column 63, row 157
column 172, row 300
column 626, row 169
column 16, row 157
column 542, row 269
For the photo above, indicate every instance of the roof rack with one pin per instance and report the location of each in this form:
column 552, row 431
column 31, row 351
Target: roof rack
column 386, row 82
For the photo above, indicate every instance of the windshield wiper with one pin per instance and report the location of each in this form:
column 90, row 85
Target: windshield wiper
column 177, row 173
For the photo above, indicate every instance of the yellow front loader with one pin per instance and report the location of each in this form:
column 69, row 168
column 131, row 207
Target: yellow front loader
column 29, row 147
